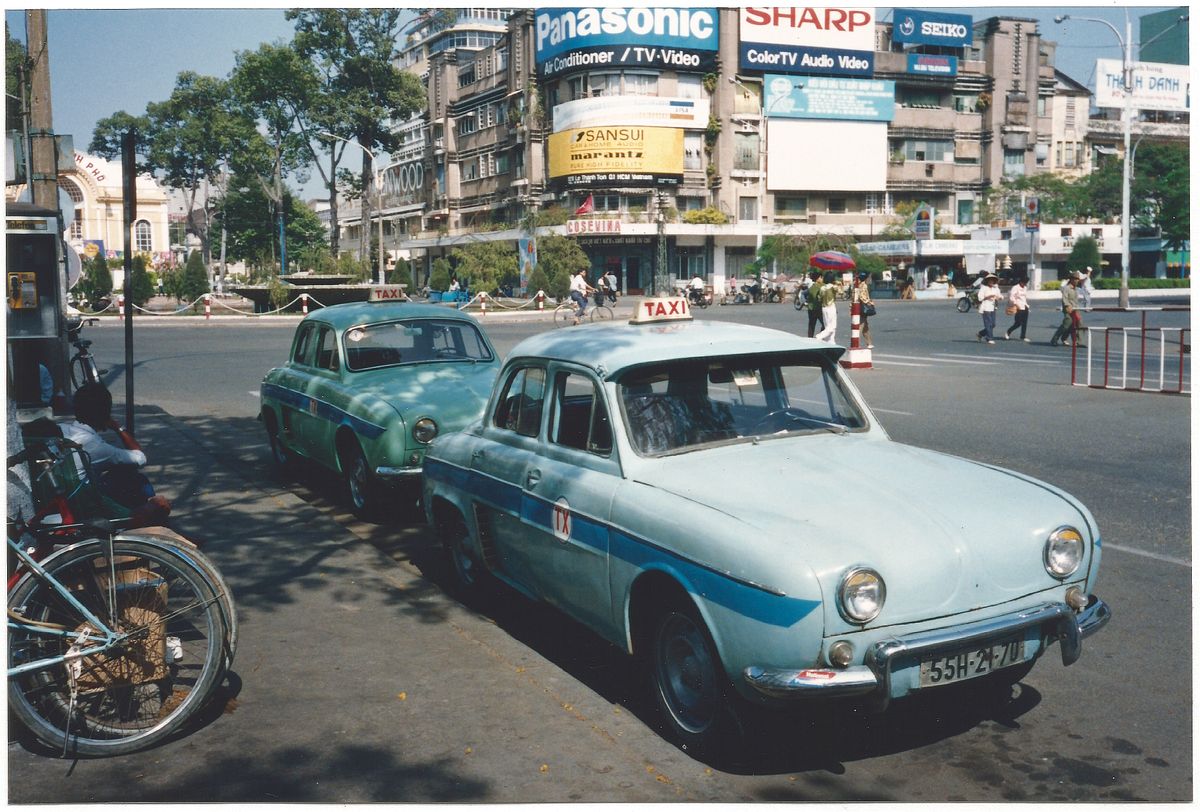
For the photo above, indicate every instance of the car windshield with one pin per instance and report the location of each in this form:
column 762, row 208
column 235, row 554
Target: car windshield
column 678, row 405
column 413, row 341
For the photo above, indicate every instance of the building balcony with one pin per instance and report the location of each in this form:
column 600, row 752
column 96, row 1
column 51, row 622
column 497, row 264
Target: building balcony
column 939, row 119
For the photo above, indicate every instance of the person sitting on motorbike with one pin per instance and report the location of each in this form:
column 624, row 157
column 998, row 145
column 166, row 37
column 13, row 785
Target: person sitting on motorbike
column 696, row 288
column 116, row 467
column 754, row 288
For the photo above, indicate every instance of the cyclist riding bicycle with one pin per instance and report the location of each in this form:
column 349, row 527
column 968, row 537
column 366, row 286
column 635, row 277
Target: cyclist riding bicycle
column 580, row 290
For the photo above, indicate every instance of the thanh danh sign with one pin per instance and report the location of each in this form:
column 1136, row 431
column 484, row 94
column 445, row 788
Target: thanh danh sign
column 575, row 39
column 809, row 40
column 1156, row 86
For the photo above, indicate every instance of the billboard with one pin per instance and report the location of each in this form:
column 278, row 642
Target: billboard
column 859, row 164
column 653, row 111
column 918, row 27
column 933, row 64
column 810, row 40
column 830, row 98
column 1156, row 85
column 578, row 39
column 632, row 156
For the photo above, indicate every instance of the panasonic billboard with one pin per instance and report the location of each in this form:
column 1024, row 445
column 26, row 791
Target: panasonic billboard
column 576, row 39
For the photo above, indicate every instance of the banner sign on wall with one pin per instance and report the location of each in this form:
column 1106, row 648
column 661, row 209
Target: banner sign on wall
column 933, row 64
column 830, row 98
column 931, row 28
column 1156, row 86
column 594, row 156
column 808, row 40
column 577, row 39
column 652, row 111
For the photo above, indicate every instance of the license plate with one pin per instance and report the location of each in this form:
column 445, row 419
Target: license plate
column 971, row 663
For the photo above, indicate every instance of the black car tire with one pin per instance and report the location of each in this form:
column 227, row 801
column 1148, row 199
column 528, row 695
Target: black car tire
column 359, row 482
column 281, row 459
column 467, row 571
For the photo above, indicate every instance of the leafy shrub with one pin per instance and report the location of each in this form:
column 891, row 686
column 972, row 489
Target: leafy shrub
column 707, row 216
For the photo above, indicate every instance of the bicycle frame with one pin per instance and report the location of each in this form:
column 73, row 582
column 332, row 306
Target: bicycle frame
column 104, row 637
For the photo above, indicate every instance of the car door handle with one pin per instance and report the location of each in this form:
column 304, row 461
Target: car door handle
column 532, row 478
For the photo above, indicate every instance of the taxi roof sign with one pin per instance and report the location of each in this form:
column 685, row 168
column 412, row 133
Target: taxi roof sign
column 658, row 309
column 387, row 293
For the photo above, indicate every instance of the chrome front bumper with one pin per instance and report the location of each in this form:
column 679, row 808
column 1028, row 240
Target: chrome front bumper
column 1057, row 622
column 392, row 472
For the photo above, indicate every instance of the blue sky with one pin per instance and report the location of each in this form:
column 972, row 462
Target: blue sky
column 105, row 60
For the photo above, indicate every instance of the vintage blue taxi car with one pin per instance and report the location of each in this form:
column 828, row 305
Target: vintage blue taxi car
column 368, row 386
column 618, row 474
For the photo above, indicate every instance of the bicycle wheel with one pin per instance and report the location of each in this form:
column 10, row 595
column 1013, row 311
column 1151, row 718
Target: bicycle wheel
column 205, row 565
column 564, row 315
column 161, row 669
column 601, row 313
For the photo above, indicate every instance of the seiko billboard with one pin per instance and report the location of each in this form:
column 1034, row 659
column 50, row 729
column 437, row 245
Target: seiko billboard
column 578, row 39
column 810, row 40
column 931, row 28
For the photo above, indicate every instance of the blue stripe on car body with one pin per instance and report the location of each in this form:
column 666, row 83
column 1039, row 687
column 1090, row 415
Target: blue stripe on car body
column 325, row 410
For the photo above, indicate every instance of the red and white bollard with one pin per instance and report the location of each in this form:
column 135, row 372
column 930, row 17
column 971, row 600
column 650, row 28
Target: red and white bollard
column 304, row 303
column 541, row 299
column 857, row 357
column 121, row 308
column 207, row 307
column 483, row 303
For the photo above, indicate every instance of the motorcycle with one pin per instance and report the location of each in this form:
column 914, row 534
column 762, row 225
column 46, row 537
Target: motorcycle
column 699, row 297
column 967, row 301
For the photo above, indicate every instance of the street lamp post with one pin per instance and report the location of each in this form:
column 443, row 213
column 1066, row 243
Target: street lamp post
column 1127, row 87
column 376, row 179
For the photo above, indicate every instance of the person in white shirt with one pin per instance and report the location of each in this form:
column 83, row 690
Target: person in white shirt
column 989, row 294
column 1019, row 299
column 115, row 466
column 580, row 290
column 1085, row 289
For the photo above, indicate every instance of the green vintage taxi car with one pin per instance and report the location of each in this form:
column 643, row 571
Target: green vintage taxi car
column 368, row 386
column 617, row 474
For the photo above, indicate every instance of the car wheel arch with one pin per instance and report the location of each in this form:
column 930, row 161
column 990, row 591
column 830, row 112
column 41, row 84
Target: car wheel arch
column 655, row 591
column 345, row 442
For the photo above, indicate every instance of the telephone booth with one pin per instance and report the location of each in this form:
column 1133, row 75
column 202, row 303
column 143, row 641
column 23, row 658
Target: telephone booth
column 35, row 288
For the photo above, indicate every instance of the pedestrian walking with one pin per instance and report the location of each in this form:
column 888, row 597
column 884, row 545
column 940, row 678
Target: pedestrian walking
column 989, row 294
column 862, row 295
column 1085, row 289
column 828, row 298
column 1072, row 321
column 813, row 297
column 1018, row 308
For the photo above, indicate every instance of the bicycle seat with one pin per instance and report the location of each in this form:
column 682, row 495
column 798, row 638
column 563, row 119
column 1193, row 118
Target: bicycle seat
column 82, row 343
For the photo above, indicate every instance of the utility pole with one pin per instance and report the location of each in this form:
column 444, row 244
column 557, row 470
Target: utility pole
column 43, row 182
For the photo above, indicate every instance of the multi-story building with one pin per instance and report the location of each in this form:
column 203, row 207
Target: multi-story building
column 783, row 120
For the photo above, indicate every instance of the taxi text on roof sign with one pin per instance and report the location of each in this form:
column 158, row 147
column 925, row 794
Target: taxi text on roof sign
column 661, row 309
column 387, row 293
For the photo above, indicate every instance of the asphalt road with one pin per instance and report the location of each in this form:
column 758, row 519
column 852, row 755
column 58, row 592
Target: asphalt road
column 361, row 679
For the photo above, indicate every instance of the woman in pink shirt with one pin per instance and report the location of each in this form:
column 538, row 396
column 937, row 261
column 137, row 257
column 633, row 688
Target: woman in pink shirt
column 1017, row 298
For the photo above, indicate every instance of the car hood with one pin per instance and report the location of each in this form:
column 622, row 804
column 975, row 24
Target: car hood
column 947, row 534
column 453, row 393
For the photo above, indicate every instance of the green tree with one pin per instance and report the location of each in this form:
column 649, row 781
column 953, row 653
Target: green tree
column 194, row 283
column 486, row 265
column 1058, row 197
column 96, row 281
column 140, row 288
column 354, row 52
column 1161, row 191
column 1085, row 253
column 558, row 258
column 252, row 232
column 439, row 274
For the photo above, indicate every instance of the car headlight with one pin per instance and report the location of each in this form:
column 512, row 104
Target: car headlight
column 1064, row 552
column 861, row 595
column 424, row 430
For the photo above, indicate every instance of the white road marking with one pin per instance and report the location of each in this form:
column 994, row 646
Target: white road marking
column 892, row 411
column 1023, row 359
column 937, row 360
column 897, row 364
column 1146, row 554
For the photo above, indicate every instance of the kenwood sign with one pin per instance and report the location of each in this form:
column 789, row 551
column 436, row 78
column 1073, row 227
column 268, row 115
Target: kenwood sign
column 811, row 40
column 580, row 39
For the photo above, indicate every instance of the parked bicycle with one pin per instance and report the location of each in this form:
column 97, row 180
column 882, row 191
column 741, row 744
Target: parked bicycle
column 83, row 364
column 116, row 638
column 564, row 314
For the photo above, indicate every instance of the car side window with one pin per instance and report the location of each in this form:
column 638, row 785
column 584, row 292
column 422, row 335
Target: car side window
column 520, row 406
column 580, row 416
column 302, row 351
column 327, row 351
